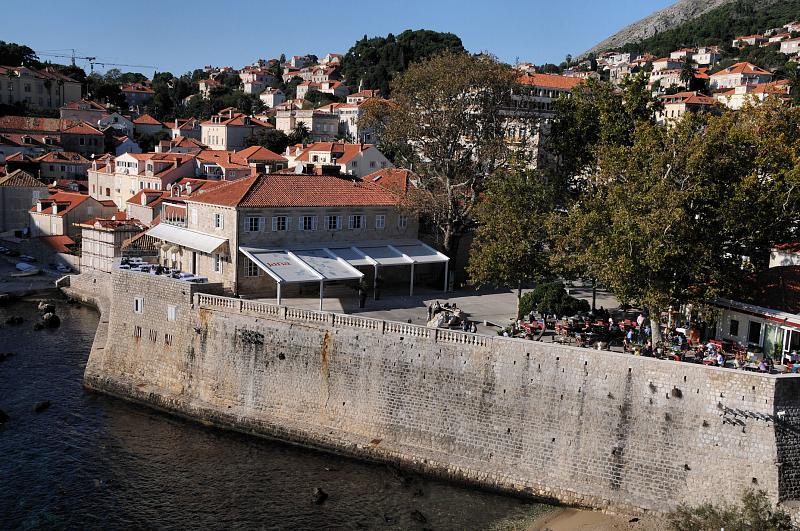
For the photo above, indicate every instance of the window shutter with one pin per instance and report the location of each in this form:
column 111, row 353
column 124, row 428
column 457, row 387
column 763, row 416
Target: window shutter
column 261, row 224
column 288, row 223
column 274, row 223
column 300, row 223
column 314, row 223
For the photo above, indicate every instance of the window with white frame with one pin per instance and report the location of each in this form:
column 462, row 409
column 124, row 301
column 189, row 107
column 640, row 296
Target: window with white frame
column 402, row 221
column 218, row 263
column 280, row 223
column 138, row 304
column 334, row 222
column 218, row 220
column 308, row 223
column 172, row 312
column 194, row 216
column 254, row 223
column 380, row 221
column 356, row 221
column 251, row 269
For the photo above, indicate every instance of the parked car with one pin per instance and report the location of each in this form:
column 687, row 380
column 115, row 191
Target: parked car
column 27, row 258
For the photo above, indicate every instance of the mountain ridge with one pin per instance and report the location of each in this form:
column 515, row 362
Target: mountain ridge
column 666, row 19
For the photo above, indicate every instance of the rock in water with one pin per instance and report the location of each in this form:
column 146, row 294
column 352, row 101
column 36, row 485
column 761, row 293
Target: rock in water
column 38, row 326
column 14, row 320
column 418, row 516
column 46, row 307
column 3, row 417
column 51, row 320
column 41, row 406
column 320, row 496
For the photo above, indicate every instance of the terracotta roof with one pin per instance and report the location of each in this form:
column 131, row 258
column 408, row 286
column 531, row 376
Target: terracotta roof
column 64, row 156
column 394, row 179
column 284, row 190
column 146, row 119
column 67, row 201
column 31, row 123
column 742, row 68
column 136, row 87
column 343, row 153
column 83, row 129
column 60, row 244
column 80, row 104
column 256, row 153
column 238, row 119
column 21, row 179
column 550, row 81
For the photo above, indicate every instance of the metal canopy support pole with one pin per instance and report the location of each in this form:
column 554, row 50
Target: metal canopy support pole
column 321, row 295
column 375, row 284
column 411, row 289
column 279, row 293
column 446, row 271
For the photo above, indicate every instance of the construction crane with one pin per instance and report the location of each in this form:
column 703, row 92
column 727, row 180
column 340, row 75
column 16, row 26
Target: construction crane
column 92, row 60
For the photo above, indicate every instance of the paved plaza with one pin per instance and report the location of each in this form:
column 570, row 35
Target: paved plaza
column 497, row 308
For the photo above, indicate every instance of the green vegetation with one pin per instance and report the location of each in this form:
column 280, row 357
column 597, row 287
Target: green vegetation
column 435, row 104
column 272, row 139
column 755, row 512
column 665, row 215
column 551, row 299
column 13, row 54
column 721, row 25
column 375, row 61
column 510, row 246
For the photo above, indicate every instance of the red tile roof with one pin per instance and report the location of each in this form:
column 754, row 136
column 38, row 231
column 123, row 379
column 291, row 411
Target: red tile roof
column 64, row 156
column 394, row 179
column 83, row 129
column 343, row 152
column 285, row 190
column 258, row 153
column 550, row 81
column 21, row 179
column 60, row 244
column 66, row 201
column 146, row 119
column 742, row 68
column 80, row 105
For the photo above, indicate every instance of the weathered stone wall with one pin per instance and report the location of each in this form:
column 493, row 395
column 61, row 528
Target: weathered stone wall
column 582, row 427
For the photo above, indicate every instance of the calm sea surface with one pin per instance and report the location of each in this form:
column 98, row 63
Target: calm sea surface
column 95, row 462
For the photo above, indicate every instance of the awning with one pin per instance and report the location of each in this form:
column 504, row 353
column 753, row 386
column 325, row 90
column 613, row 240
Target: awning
column 287, row 267
column 187, row 238
column 339, row 261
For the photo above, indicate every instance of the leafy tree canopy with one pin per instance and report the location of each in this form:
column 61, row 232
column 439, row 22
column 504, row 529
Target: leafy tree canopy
column 375, row 61
column 13, row 54
column 272, row 139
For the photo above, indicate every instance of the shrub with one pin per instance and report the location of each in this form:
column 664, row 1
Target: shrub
column 755, row 512
column 551, row 298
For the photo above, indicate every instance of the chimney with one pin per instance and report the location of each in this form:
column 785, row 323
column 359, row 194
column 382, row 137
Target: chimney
column 188, row 188
column 55, row 208
column 38, row 206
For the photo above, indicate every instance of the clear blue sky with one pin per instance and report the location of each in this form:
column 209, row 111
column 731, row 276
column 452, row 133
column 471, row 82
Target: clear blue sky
column 178, row 36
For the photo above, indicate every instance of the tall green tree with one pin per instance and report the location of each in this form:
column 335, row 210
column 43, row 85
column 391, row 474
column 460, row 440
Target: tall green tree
column 686, row 213
column 511, row 244
column 447, row 122
column 373, row 62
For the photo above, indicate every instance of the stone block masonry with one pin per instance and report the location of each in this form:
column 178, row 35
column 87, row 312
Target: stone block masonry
column 576, row 426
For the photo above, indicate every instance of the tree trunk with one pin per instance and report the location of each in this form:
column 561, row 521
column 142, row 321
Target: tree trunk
column 594, row 294
column 655, row 327
column 450, row 244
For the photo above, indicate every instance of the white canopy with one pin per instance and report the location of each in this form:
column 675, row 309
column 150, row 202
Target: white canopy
column 187, row 238
column 320, row 264
column 312, row 265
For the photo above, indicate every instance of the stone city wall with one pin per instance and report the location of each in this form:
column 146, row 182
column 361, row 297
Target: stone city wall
column 576, row 426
